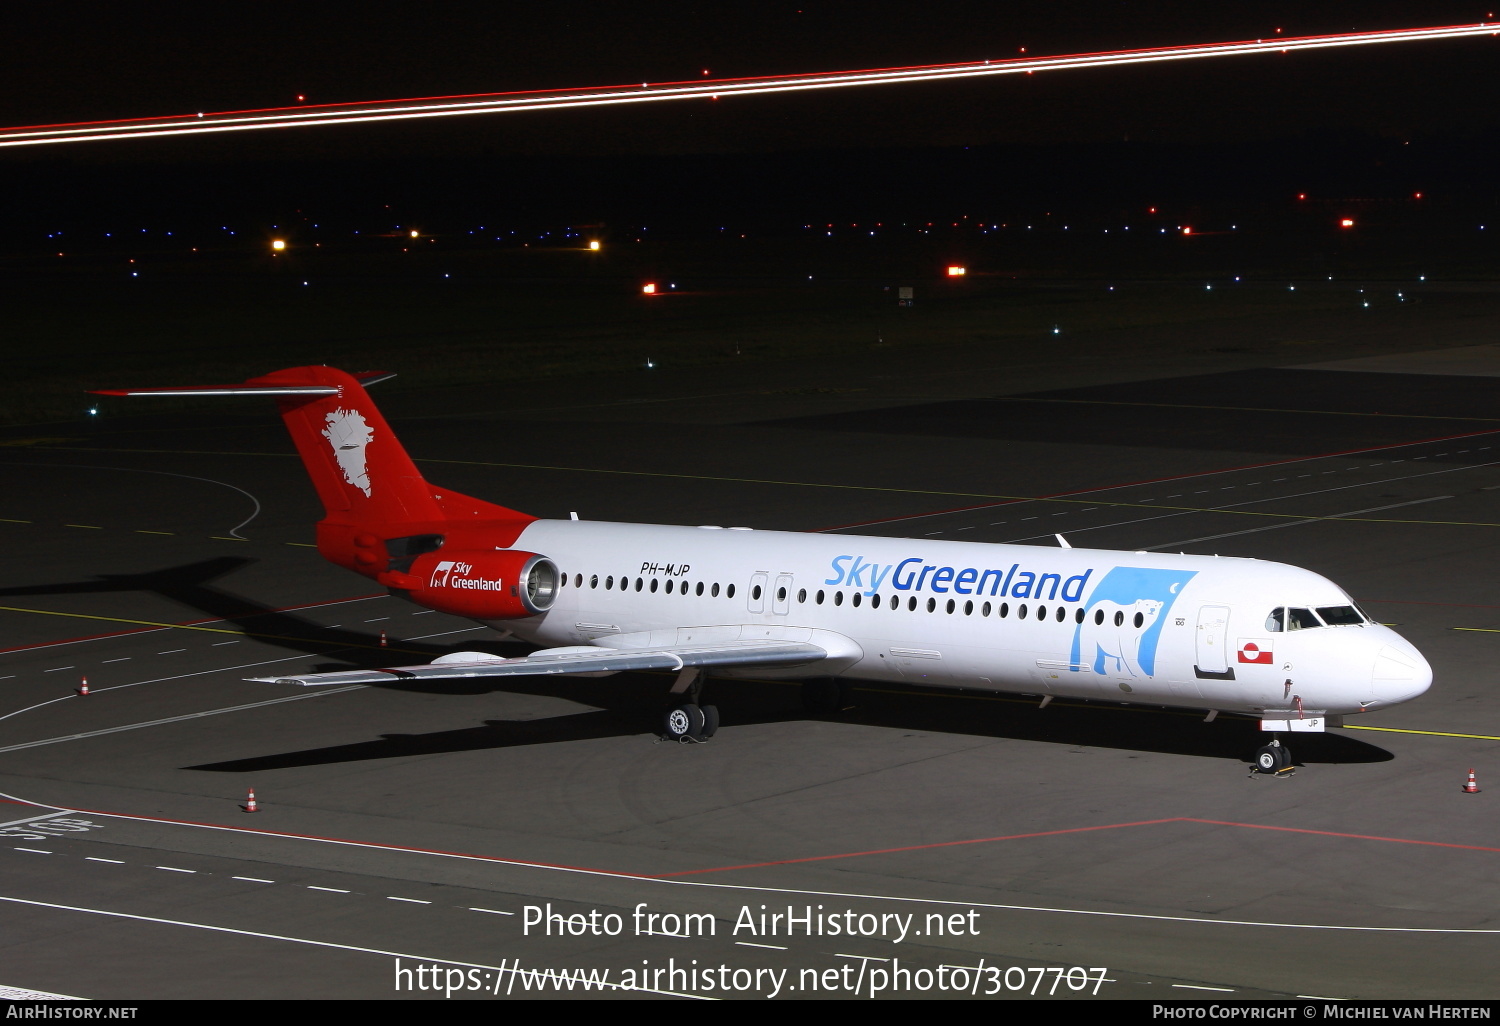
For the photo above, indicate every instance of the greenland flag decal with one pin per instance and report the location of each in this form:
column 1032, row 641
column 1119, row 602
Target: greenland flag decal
column 1256, row 650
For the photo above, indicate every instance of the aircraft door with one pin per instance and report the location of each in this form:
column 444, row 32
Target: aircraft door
column 757, row 594
column 1213, row 632
column 781, row 595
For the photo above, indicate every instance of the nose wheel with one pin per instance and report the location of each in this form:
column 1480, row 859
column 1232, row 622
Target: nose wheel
column 1274, row 759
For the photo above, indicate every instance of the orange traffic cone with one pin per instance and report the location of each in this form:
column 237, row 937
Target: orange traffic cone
column 383, row 642
column 1471, row 786
column 83, row 688
column 250, row 805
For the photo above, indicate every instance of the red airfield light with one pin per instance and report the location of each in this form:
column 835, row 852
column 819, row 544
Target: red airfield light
column 1302, row 195
column 955, row 271
column 1346, row 222
column 649, row 288
column 1187, row 230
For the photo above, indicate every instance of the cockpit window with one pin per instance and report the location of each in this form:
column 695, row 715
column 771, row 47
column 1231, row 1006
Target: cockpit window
column 1273, row 621
column 1301, row 620
column 1340, row 616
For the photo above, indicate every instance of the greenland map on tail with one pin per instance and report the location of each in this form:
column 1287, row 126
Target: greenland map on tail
column 1246, row 636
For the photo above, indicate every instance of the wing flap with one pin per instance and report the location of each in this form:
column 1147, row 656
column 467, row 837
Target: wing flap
column 576, row 661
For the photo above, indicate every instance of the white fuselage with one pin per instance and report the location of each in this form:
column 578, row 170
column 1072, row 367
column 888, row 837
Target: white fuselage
column 1179, row 630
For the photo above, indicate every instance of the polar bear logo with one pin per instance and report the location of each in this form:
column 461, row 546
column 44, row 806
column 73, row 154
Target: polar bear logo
column 348, row 433
column 1114, row 645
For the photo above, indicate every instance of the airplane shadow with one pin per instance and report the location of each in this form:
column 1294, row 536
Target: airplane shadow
column 193, row 586
column 630, row 704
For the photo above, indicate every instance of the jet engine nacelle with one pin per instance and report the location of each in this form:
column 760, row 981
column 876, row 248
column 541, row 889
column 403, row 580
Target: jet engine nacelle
column 495, row 585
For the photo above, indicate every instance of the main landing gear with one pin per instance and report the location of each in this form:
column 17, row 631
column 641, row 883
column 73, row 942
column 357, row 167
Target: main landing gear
column 1274, row 759
column 686, row 720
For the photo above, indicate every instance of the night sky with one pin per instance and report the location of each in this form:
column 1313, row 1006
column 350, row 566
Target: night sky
column 1370, row 119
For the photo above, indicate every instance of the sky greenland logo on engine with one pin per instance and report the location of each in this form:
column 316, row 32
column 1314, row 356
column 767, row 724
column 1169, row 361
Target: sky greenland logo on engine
column 348, row 433
column 449, row 573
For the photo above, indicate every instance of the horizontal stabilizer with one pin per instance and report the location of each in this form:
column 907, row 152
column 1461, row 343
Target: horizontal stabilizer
column 582, row 659
column 248, row 388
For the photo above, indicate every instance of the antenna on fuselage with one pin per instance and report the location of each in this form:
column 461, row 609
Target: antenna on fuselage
column 1062, row 541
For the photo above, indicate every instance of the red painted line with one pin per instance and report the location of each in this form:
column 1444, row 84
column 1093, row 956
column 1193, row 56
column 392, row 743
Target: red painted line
column 918, row 847
column 352, row 843
column 1335, row 833
column 1152, row 480
column 186, row 623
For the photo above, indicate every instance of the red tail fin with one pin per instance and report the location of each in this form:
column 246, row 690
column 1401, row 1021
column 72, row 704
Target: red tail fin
column 373, row 495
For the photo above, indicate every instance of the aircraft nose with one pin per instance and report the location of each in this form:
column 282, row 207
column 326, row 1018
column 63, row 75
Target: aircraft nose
column 1400, row 674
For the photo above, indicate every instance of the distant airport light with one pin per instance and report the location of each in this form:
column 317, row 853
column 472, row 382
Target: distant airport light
column 1346, row 222
column 1302, row 195
column 278, row 244
column 1416, row 195
column 1187, row 230
column 955, row 271
column 414, row 233
column 649, row 288
column 594, row 245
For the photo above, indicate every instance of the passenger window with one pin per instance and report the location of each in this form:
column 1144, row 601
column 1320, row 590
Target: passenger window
column 714, row 591
column 1098, row 617
column 985, row 610
column 1041, row 612
column 594, row 581
column 729, row 591
column 801, row 595
column 911, row 604
column 1301, row 620
column 1062, row 614
column 609, row 582
column 895, row 601
column 951, row 605
column 698, row 590
column 856, row 598
column 669, row 585
column 931, row 604
column 639, row 583
column 1339, row 616
column 968, row 608
column 1004, row 610
column 819, row 598
column 755, row 593
column 1078, row 616
column 838, row 598
column 1021, row 611
column 1140, row 618
column 654, row 585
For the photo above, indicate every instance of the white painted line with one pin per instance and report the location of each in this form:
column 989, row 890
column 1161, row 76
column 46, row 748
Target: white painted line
column 252, row 879
column 491, row 911
column 34, row 819
column 27, row 994
column 8, row 676
column 1189, row 986
column 863, row 958
column 174, row 869
column 771, row 947
column 174, row 719
column 424, row 612
column 414, row 901
column 308, row 941
column 1317, row 997
column 95, row 858
column 56, row 668
column 377, row 619
column 122, row 659
column 172, row 651
column 218, row 643
column 332, row 890
column 34, row 851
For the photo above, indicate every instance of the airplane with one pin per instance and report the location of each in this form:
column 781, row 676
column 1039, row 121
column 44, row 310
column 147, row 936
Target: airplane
column 1266, row 640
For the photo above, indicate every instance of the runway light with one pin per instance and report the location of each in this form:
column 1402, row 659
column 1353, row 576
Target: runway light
column 594, row 245
column 278, row 244
column 954, row 271
column 414, row 233
column 649, row 288
column 1187, row 230
column 1346, row 222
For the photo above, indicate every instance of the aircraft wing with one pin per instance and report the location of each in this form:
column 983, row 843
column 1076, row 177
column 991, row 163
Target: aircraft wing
column 576, row 660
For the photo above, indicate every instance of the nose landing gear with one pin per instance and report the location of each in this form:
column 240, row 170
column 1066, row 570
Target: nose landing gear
column 1274, row 759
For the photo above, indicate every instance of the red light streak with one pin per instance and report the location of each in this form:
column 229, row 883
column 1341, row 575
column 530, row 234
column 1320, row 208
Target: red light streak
column 496, row 103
